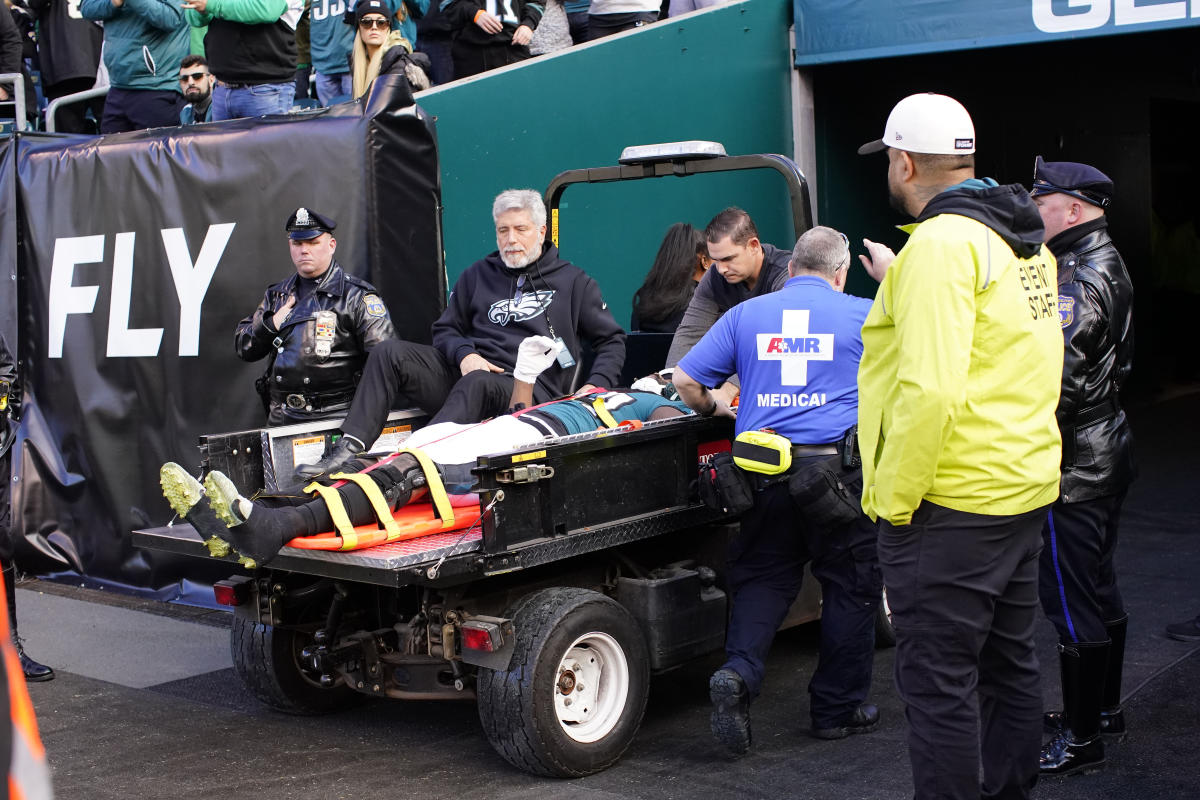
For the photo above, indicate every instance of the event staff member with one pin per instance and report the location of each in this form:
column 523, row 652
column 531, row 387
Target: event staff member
column 797, row 352
column 962, row 360
column 1078, row 582
column 742, row 267
column 316, row 327
column 522, row 289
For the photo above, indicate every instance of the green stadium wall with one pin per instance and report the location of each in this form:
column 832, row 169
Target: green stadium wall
column 722, row 74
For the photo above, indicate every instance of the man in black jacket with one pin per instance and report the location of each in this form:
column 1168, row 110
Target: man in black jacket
column 251, row 48
column 743, row 267
column 522, row 289
column 317, row 327
column 69, row 53
column 490, row 33
column 1078, row 583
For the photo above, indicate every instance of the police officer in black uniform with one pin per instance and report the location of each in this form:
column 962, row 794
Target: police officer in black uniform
column 8, row 375
column 1077, row 581
column 316, row 327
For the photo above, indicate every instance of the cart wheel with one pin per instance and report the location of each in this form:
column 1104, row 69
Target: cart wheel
column 885, row 634
column 573, row 696
column 267, row 659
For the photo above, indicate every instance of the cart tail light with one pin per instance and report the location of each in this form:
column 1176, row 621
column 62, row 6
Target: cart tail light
column 484, row 637
column 232, row 591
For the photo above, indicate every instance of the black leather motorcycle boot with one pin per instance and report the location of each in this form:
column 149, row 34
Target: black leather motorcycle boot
column 1078, row 747
column 33, row 670
column 1112, row 717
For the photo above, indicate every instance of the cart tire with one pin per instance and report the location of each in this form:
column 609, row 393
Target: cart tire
column 885, row 634
column 267, row 659
column 586, row 645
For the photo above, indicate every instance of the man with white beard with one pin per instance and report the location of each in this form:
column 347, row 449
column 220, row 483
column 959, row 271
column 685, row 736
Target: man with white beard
column 522, row 289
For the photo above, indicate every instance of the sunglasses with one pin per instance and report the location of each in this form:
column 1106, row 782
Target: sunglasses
column 193, row 76
column 368, row 23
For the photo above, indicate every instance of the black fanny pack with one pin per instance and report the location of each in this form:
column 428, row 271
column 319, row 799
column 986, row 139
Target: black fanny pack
column 822, row 497
column 723, row 486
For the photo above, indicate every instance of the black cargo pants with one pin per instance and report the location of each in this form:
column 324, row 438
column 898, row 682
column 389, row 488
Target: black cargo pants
column 963, row 593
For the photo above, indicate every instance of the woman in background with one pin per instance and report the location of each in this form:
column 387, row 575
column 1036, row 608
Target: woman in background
column 373, row 40
column 681, row 262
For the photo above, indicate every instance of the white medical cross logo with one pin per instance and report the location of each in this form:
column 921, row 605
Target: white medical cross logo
column 793, row 347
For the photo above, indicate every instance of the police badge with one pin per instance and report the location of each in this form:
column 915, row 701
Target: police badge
column 375, row 306
column 1066, row 310
column 326, row 327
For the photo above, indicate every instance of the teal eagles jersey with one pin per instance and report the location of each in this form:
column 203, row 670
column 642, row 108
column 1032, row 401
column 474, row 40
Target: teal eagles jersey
column 331, row 39
column 580, row 415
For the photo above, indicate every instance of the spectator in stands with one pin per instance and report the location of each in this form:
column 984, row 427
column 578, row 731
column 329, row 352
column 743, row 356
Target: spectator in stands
column 143, row 41
column 678, row 7
column 405, row 14
column 330, row 42
column 10, row 56
column 24, row 20
column 681, row 262
column 607, row 17
column 251, row 48
column 433, row 39
column 553, row 31
column 196, row 83
column 379, row 49
column 69, row 53
column 577, row 18
column 489, row 34
column 303, row 77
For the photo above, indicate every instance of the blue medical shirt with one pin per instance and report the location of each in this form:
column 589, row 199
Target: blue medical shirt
column 796, row 352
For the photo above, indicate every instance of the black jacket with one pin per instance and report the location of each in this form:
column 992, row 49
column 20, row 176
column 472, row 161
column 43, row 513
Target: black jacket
column 1095, row 303
column 493, row 308
column 461, row 16
column 360, row 321
column 241, row 53
column 69, row 45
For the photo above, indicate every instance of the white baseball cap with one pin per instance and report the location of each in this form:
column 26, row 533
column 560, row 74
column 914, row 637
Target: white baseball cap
column 927, row 123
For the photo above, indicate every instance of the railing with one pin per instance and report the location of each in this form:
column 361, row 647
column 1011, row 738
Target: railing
column 68, row 99
column 14, row 84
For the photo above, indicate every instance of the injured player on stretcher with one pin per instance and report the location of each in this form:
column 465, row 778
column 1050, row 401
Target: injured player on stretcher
column 258, row 531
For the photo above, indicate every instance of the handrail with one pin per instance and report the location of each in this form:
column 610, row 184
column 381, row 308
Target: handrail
column 18, row 97
column 68, row 99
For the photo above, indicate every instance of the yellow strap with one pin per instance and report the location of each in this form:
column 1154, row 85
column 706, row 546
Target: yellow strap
column 602, row 412
column 433, row 482
column 337, row 510
column 371, row 489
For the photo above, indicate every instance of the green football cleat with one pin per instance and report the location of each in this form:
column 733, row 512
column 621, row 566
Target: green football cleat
column 185, row 495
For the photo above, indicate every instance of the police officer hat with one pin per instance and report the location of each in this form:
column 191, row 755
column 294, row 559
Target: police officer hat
column 1077, row 180
column 307, row 224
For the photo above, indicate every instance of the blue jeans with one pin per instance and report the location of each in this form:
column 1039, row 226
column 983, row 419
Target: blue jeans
column 334, row 88
column 252, row 101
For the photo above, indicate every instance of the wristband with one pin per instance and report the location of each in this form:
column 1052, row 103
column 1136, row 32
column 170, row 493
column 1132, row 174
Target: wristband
column 711, row 409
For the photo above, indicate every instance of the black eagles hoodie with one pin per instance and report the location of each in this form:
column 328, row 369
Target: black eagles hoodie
column 493, row 308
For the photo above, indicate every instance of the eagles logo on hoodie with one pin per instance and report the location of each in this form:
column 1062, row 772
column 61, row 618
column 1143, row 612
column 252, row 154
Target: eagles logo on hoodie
column 524, row 306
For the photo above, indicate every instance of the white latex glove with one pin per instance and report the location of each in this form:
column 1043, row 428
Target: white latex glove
column 534, row 355
column 651, row 383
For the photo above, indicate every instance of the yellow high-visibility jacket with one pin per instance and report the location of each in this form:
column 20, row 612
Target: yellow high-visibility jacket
column 962, row 364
